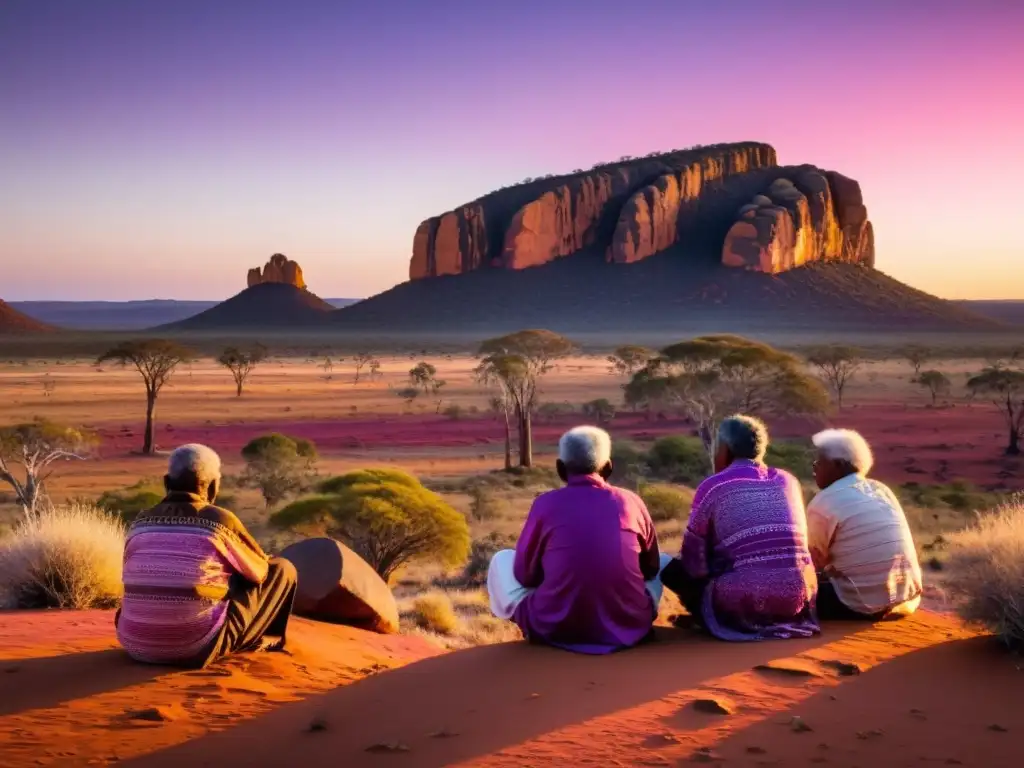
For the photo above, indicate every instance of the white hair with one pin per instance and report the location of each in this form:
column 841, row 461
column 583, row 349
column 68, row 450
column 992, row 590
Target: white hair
column 194, row 460
column 744, row 436
column 585, row 450
column 845, row 445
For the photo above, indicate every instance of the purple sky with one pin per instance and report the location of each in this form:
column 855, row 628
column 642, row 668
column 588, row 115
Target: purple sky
column 159, row 149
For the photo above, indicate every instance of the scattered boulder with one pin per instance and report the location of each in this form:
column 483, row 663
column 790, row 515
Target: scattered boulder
column 336, row 584
column 280, row 269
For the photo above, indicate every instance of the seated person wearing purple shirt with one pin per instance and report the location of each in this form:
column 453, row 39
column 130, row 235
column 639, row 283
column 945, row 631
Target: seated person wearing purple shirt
column 745, row 571
column 584, row 574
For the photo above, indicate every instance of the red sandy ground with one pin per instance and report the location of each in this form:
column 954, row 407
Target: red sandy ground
column 930, row 693
column 911, row 443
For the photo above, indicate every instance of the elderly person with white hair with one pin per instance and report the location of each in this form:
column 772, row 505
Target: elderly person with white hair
column 859, row 537
column 745, row 571
column 584, row 573
column 197, row 586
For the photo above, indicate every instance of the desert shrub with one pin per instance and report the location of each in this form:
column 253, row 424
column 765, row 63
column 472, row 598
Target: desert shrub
column 480, row 555
column 362, row 476
column 629, row 464
column 278, row 465
column 64, row 557
column 128, row 502
column 986, row 572
column 666, row 502
column 794, row 457
column 486, row 504
column 386, row 519
column 434, row 612
column 600, row 411
column 678, row 458
column 453, row 412
column 958, row 495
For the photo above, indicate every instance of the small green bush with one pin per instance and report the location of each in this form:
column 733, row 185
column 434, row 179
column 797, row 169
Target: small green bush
column 794, row 457
column 679, row 458
column 481, row 552
column 667, row 502
column 362, row 476
column 128, row 502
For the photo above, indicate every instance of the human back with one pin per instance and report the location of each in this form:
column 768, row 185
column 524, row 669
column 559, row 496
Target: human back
column 592, row 592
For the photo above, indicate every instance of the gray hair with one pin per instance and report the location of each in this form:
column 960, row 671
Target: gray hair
column 845, row 445
column 744, row 436
column 193, row 463
column 585, row 450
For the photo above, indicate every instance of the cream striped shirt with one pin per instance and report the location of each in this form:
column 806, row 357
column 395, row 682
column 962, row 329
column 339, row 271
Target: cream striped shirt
column 860, row 538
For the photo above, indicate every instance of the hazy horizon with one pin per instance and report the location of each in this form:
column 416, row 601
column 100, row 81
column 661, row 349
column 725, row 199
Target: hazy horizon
column 159, row 150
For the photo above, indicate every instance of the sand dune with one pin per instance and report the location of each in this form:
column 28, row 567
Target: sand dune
column 923, row 691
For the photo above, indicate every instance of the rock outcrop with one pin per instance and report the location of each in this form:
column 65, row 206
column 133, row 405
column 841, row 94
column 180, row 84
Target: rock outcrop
column 804, row 215
column 534, row 223
column 628, row 211
column 280, row 269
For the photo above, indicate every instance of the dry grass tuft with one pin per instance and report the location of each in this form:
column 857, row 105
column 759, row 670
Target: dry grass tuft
column 67, row 557
column 986, row 572
column 434, row 612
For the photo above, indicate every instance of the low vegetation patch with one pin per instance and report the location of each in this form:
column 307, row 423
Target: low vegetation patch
column 986, row 572
column 65, row 557
column 434, row 612
column 667, row 502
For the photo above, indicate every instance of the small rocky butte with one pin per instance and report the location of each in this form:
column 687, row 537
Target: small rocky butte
column 280, row 269
column 760, row 216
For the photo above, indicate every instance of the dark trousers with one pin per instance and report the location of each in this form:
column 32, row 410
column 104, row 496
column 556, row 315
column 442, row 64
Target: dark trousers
column 831, row 608
column 257, row 611
column 689, row 589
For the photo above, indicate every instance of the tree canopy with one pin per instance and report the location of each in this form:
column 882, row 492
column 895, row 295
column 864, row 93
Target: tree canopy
column 241, row 363
column 32, row 451
column 1005, row 388
column 711, row 377
column 278, row 465
column 387, row 519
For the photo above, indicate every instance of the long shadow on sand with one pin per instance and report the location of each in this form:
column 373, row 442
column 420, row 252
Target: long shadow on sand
column 52, row 680
column 462, row 705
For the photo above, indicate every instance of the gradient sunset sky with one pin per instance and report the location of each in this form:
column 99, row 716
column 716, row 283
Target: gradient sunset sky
column 160, row 148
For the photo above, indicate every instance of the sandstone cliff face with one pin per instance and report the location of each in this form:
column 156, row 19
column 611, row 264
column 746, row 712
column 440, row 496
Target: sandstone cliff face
column 532, row 224
column 805, row 215
column 731, row 199
column 280, row 269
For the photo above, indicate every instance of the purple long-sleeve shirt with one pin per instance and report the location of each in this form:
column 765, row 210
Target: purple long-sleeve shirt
column 748, row 536
column 586, row 550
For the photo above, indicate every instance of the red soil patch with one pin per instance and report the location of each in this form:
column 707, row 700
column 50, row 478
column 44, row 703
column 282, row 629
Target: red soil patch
column 900, row 693
column 911, row 443
column 71, row 697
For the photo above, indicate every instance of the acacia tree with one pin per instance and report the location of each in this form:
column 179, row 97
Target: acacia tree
column 711, row 377
column 917, row 355
column 936, row 382
column 278, row 465
column 360, row 361
column 837, row 365
column 34, row 450
column 424, row 376
column 1005, row 388
column 155, row 360
column 628, row 359
column 241, row 363
column 515, row 364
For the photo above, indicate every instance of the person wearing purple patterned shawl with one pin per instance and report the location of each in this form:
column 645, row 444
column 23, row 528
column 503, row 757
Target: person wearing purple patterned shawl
column 745, row 571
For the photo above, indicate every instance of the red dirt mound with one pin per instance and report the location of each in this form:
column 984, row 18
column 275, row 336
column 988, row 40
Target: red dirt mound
column 12, row 321
column 920, row 691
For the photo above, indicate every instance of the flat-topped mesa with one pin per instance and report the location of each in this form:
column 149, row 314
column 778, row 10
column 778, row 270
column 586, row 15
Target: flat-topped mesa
column 608, row 207
column 280, row 269
column 804, row 215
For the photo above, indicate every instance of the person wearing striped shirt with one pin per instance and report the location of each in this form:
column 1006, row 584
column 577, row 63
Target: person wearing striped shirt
column 859, row 537
column 197, row 585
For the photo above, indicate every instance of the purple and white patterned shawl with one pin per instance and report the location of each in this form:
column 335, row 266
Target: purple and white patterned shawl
column 748, row 536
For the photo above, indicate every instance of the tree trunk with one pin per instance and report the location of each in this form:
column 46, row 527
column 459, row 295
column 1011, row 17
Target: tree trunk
column 147, row 440
column 1013, row 449
column 525, row 440
column 239, row 392
column 508, row 442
